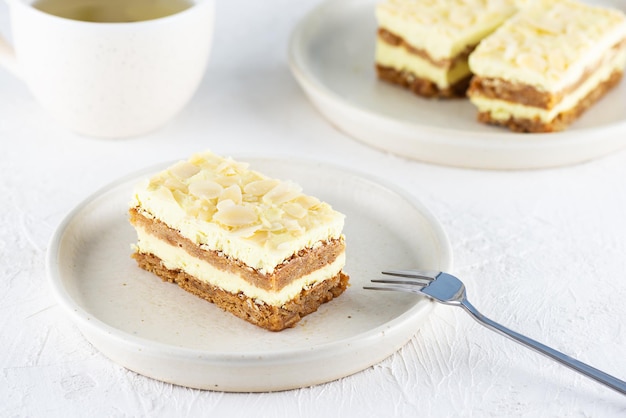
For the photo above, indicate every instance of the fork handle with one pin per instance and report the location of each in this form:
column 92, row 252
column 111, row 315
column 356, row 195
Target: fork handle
column 585, row 369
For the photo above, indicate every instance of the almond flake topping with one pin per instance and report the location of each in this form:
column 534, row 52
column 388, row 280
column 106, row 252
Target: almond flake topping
column 208, row 192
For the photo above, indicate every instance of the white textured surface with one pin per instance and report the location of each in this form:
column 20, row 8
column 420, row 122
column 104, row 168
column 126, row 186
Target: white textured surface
column 541, row 251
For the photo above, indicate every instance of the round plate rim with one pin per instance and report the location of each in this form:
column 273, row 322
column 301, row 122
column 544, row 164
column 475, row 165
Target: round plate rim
column 491, row 144
column 89, row 325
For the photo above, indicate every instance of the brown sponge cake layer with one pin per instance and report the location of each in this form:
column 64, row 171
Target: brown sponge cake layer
column 516, row 92
column 299, row 265
column 524, row 94
column 421, row 86
column 272, row 318
column 447, row 63
column 561, row 121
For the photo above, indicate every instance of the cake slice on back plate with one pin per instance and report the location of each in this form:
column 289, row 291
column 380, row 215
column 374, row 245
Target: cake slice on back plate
column 547, row 64
column 423, row 45
column 255, row 246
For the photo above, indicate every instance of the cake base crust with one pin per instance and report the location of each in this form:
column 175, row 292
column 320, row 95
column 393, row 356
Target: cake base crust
column 273, row 318
column 421, row 86
column 562, row 120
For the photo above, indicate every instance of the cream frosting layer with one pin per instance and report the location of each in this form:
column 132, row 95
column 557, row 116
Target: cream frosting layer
column 443, row 28
column 221, row 205
column 549, row 43
column 503, row 110
column 176, row 258
column 399, row 58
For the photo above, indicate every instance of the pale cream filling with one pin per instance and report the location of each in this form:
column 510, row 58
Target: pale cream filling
column 222, row 205
column 398, row 58
column 448, row 37
column 503, row 110
column 544, row 59
column 176, row 258
column 209, row 236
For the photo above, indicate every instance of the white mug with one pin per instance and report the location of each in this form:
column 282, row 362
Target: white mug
column 110, row 80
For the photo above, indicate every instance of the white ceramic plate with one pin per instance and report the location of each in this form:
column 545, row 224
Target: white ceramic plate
column 159, row 330
column 332, row 56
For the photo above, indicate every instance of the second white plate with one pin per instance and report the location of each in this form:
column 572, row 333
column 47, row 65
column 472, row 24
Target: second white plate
column 159, row 330
column 332, row 56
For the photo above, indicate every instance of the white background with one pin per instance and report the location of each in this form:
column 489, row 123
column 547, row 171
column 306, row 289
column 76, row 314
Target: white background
column 543, row 252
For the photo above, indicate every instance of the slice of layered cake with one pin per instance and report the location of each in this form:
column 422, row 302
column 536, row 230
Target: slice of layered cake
column 423, row 45
column 548, row 64
column 255, row 246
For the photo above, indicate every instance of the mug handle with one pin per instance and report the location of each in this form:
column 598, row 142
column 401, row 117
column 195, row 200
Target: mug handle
column 7, row 57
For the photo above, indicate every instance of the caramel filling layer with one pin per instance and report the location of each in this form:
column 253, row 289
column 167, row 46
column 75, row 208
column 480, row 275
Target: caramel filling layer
column 299, row 265
column 445, row 63
column 560, row 121
column 523, row 94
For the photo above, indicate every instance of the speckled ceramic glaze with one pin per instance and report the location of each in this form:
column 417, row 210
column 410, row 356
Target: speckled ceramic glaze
column 158, row 330
column 110, row 79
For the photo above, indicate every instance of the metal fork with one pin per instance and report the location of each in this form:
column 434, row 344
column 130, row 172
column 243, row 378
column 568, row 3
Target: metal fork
column 447, row 289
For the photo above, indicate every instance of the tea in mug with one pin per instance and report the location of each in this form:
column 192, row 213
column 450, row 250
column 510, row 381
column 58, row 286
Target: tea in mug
column 111, row 11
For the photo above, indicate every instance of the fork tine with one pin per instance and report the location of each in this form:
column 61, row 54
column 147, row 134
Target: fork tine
column 421, row 283
column 401, row 287
column 417, row 274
